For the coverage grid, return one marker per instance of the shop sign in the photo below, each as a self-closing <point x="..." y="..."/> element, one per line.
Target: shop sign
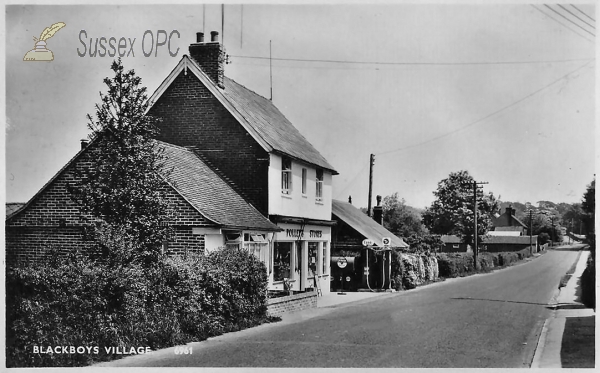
<point x="342" y="262"/>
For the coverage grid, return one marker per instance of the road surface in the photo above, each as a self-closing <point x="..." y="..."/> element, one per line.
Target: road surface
<point x="489" y="320"/>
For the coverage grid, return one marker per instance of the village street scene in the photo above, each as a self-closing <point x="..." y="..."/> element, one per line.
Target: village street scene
<point x="300" y="186"/>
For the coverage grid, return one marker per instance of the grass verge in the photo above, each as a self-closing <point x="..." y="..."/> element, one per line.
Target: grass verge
<point x="578" y="343"/>
<point x="567" y="276"/>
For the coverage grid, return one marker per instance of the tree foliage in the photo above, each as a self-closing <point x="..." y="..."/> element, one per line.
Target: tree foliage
<point x="401" y="219"/>
<point x="452" y="211"/>
<point x="122" y="185"/>
<point x="588" y="205"/>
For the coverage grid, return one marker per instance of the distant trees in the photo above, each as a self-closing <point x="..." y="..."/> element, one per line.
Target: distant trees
<point x="452" y="210"/>
<point x="401" y="219"/>
<point x="406" y="222"/>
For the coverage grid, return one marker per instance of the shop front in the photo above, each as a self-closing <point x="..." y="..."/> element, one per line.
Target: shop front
<point x="301" y="255"/>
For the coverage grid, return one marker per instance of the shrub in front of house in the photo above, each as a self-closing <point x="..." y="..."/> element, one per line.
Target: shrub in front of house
<point x="80" y="303"/>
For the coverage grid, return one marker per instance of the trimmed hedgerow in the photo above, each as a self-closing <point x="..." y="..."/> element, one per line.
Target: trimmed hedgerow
<point x="78" y="302"/>
<point x="462" y="264"/>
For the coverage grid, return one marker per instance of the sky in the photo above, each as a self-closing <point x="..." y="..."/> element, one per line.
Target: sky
<point x="504" y="91"/>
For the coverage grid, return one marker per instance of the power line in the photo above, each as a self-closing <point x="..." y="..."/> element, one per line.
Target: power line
<point x="409" y="63"/>
<point x="352" y="181"/>
<point x="569" y="20"/>
<point x="582" y="12"/>
<point x="487" y="116"/>
<point x="574" y="15"/>
<point x="562" y="24"/>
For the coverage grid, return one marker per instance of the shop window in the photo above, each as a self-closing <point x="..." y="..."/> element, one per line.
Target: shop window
<point x="282" y="260"/>
<point x="313" y="250"/>
<point x="325" y="259"/>
<point x="319" y="194"/>
<point x="286" y="175"/>
<point x="304" y="172"/>
<point x="298" y="265"/>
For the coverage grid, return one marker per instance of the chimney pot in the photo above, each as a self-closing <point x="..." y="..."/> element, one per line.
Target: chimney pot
<point x="378" y="198"/>
<point x="214" y="36"/>
<point x="199" y="37"/>
<point x="84" y="143"/>
<point x="350" y="199"/>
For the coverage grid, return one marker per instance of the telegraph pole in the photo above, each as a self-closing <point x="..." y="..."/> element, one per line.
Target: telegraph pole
<point x="475" y="187"/>
<point x="530" y="231"/>
<point x="371" y="163"/>
<point x="552" y="220"/>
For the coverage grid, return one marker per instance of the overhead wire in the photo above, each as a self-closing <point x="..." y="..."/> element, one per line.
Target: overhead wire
<point x="489" y="115"/>
<point x="410" y="63"/>
<point x="561" y="23"/>
<point x="574" y="15"/>
<point x="582" y="12"/>
<point x="351" y="182"/>
<point x="560" y="14"/>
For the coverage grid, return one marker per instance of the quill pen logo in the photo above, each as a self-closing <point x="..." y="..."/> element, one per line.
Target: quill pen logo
<point x="40" y="52"/>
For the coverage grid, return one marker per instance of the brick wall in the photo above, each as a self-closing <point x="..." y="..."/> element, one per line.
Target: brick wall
<point x="192" y="116"/>
<point x="290" y="303"/>
<point x="54" y="221"/>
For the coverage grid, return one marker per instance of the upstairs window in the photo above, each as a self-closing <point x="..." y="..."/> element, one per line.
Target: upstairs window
<point x="286" y="175"/>
<point x="304" y="181"/>
<point x="319" y="193"/>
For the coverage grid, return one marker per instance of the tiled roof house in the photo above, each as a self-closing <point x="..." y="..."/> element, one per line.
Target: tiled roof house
<point x="247" y="141"/>
<point x="242" y="175"/>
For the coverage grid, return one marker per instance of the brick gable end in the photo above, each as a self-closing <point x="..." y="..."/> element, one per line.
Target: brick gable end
<point x="193" y="117"/>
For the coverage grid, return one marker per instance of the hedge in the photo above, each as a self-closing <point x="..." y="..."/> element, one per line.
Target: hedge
<point x="78" y="302"/>
<point x="462" y="264"/>
<point x="588" y="284"/>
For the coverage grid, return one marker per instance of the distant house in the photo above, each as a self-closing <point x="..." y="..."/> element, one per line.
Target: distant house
<point x="490" y="243"/>
<point x="509" y="222"/>
<point x="495" y="244"/>
<point x="453" y="244"/>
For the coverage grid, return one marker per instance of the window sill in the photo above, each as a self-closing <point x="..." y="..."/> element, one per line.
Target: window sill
<point x="281" y="282"/>
<point x="317" y="202"/>
<point x="304" y="196"/>
<point x="287" y="196"/>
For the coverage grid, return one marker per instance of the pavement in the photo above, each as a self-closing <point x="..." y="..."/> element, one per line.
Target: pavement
<point x="567" y="304"/>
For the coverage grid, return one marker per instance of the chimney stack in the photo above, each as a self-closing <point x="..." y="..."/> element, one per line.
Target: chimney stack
<point x="378" y="211"/>
<point x="210" y="56"/>
<point x="84" y="143"/>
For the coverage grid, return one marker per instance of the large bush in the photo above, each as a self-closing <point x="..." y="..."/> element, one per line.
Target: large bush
<point x="588" y="284"/>
<point x="78" y="302"/>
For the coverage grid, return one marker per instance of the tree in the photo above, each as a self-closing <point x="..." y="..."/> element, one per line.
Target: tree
<point x="401" y="219"/>
<point x="588" y="205"/>
<point x="122" y="186"/>
<point x="452" y="211"/>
